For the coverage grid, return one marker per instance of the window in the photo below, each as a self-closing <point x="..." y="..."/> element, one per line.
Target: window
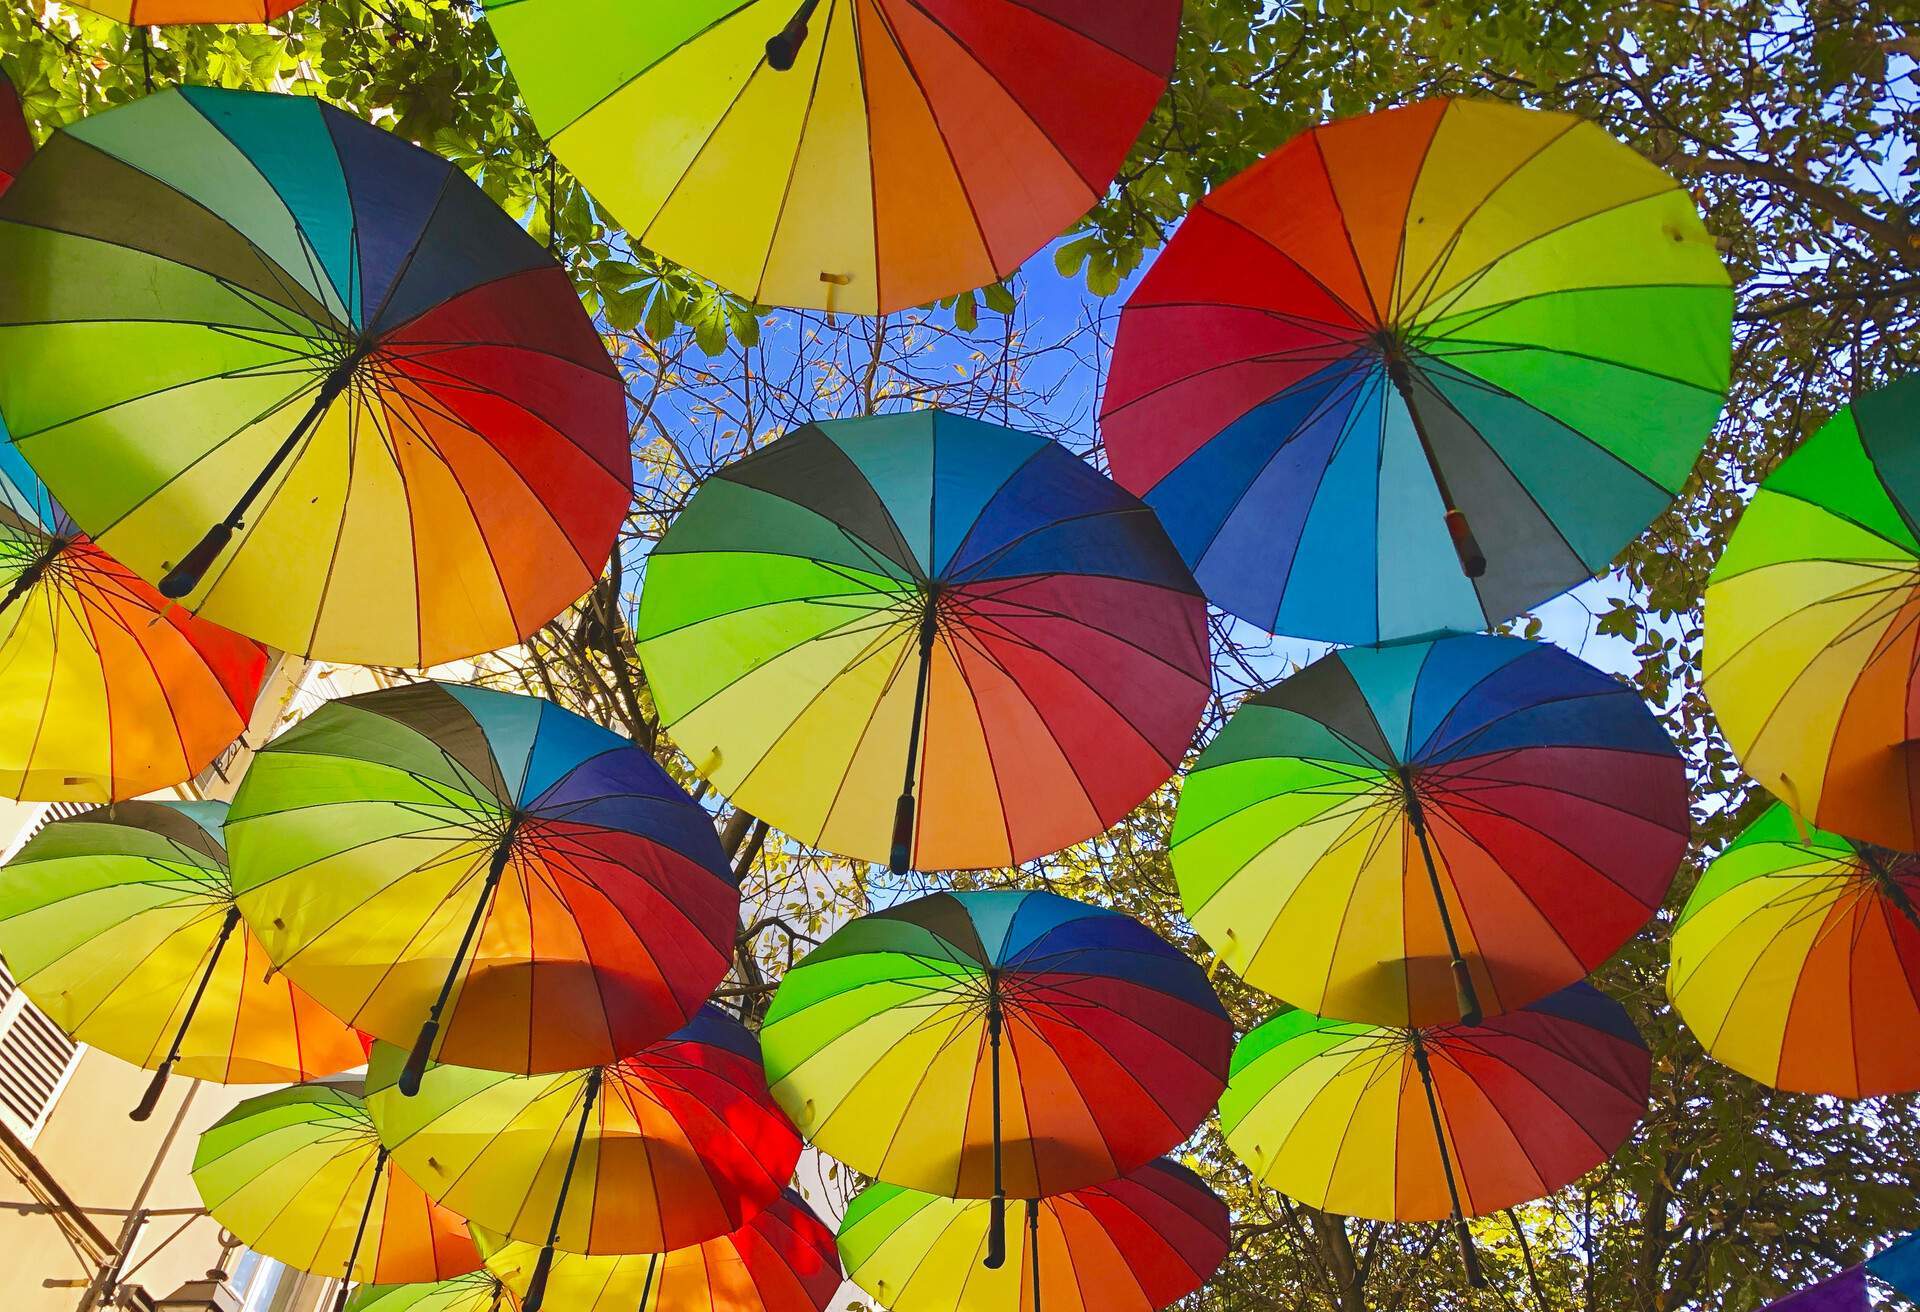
<point x="36" y="1059"/>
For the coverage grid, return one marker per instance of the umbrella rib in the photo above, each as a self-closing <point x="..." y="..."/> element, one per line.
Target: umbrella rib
<point x="939" y="130"/>
<point x="1439" y="303"/>
<point x="1354" y="313"/>
<point x="1428" y="285"/>
<point x="1354" y="357"/>
<point x="1358" y="385"/>
<point x="466" y="500"/>
<point x="973" y="607"/>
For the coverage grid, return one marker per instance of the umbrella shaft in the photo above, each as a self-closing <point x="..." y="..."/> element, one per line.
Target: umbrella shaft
<point x="537" y="1287"/>
<point x="1403" y="384"/>
<point x="1462" y="977"/>
<point x="646" y="1288"/>
<point x="423" y="1045"/>
<point x="1473" y="561"/>
<point x="366" y="1211"/>
<point x="996" y="1208"/>
<point x="330" y="388"/>
<point x="152" y="1097"/>
<point x="901" y="855"/>
<point x="1033" y="1247"/>
<point x="206" y="978"/>
<point x="1468" y="1256"/>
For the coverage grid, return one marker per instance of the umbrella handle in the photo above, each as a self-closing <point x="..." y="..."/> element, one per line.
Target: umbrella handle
<point x="155" y="1087"/>
<point x="416" y="1068"/>
<point x="783" y="47"/>
<point x="1473" y="561"/>
<point x="900" y="854"/>
<point x="1469" y="1255"/>
<point x="996" y="1233"/>
<point x="1465" y="995"/>
<point x="537" y="1287"/>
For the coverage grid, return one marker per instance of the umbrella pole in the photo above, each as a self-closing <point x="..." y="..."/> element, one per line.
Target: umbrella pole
<point x="416" y="1067"/>
<point x="1469" y="1257"/>
<point x="997" y="1209"/>
<point x="901" y="857"/>
<point x="35" y="570"/>
<point x="185" y="576"/>
<point x="1473" y="561"/>
<point x="1464" y="993"/>
<point x="151" y="1099"/>
<point x="353" y="1254"/>
<point x="1033" y="1247"/>
<point x="653" y="1262"/>
<point x="537" y="1287"/>
<point x="1888" y="884"/>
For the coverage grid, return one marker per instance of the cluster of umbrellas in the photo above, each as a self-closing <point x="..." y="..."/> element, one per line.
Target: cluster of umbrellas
<point x="1409" y="376"/>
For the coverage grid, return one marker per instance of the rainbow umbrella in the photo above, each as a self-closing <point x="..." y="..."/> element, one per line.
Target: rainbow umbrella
<point x="1436" y="1122"/>
<point x="853" y="155"/>
<point x="120" y="925"/>
<point x="299" y="1175"/>
<point x="171" y="13"/>
<point x="1797" y="961"/>
<point x="1418" y="371"/>
<point x="1136" y="1244"/>
<point x="487" y="877"/>
<point x="783" y="1260"/>
<point x="106" y="690"/>
<point x="353" y="410"/>
<point x="673" y="1146"/>
<point x="476" y="1291"/>
<point x="1813" y="625"/>
<point x="1025" y="651"/>
<point x="1419" y="834"/>
<point x="885" y="1044"/>
<point x="16" y="140"/>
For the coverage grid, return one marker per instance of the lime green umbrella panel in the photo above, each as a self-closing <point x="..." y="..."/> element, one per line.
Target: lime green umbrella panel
<point x="476" y="1291"/>
<point x="300" y="1175"/>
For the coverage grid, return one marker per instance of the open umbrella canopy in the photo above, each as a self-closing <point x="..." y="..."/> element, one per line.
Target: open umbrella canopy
<point x="676" y="1145"/>
<point x="305" y="376"/>
<point x="485" y="876"/>
<point x="1419" y="1125"/>
<point x="783" y="1260"/>
<point x="926" y="639"/>
<point x="1797" y="961"/>
<point x="300" y="1176"/>
<point x="886" y="1044"/>
<point x="854" y="155"/>
<point x="1420" y="370"/>
<point x="1813" y="624"/>
<point x="120" y="925"/>
<point x="169" y="13"/>
<point x="16" y="140"/>
<point x="476" y="1291"/>
<point x="1406" y="835"/>
<point x="1136" y="1244"/>
<point x="106" y="691"/>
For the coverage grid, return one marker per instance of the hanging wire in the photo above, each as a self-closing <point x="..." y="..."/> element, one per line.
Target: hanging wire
<point x="146" y="57"/>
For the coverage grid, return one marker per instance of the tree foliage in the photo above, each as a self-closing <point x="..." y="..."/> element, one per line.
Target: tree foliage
<point x="1796" y="123"/>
